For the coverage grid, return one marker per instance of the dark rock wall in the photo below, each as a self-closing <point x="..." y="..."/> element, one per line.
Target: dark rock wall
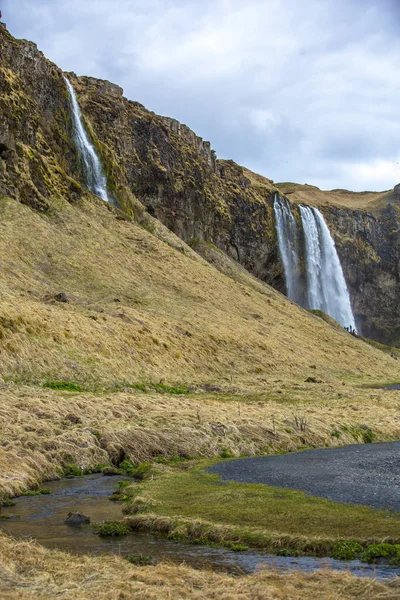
<point x="369" y="249"/>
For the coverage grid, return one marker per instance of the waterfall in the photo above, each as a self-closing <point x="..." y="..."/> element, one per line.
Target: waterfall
<point x="288" y="243"/>
<point x="333" y="298"/>
<point x="95" y="178"/>
<point x="326" y="287"/>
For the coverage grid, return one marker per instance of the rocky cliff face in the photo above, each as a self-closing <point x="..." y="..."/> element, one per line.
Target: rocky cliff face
<point x="158" y="163"/>
<point x="369" y="249"/>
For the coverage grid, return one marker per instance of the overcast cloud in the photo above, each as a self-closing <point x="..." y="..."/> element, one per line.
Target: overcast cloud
<point x="298" y="90"/>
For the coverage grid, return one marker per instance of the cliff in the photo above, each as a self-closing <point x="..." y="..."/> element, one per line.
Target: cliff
<point x="157" y="163"/>
<point x="366" y="228"/>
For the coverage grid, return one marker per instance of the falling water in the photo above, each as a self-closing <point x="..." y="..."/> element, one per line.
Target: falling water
<point x="286" y="228"/>
<point x="96" y="180"/>
<point x="325" y="283"/>
<point x="333" y="297"/>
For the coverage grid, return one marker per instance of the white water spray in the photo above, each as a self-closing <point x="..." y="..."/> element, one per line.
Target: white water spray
<point x="326" y="287"/>
<point x="286" y="229"/>
<point x="96" y="180"/>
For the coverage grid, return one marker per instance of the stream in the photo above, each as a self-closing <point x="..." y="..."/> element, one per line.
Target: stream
<point x="42" y="518"/>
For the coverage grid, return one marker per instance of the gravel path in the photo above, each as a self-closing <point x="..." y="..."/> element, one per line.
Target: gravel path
<point x="361" y="474"/>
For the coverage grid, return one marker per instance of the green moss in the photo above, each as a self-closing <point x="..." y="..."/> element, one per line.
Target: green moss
<point x="39" y="492"/>
<point x="112" y="529"/>
<point x="140" y="560"/>
<point x="347" y="550"/>
<point x="141" y="472"/>
<point x="260" y="515"/>
<point x="375" y="552"/>
<point x="71" y="471"/>
<point x="68" y="386"/>
<point x="163" y="388"/>
<point x="6" y="501"/>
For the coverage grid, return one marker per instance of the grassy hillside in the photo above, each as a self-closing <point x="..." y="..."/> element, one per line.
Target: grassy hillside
<point x="310" y="194"/>
<point x="145" y="313"/>
<point x="139" y="309"/>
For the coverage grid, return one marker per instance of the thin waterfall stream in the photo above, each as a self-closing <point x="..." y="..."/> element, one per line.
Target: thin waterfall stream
<point x="95" y="178"/>
<point x="326" y="287"/>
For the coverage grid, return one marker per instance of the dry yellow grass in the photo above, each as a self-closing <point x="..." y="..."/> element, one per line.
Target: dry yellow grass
<point x="140" y="309"/>
<point x="29" y="571"/>
<point x="42" y="429"/>
<point x="310" y="194"/>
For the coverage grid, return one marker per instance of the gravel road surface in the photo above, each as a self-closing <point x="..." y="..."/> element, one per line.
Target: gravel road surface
<point x="361" y="473"/>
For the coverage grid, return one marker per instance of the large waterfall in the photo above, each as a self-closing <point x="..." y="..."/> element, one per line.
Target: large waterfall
<point x="95" y="178"/>
<point x="326" y="287"/>
<point x="288" y="241"/>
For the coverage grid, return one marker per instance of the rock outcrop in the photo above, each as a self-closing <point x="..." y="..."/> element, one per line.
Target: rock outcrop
<point x="369" y="248"/>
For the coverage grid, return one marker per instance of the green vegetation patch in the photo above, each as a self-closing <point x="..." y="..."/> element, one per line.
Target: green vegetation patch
<point x="141" y="472"/>
<point x="374" y="552"/>
<point x="259" y="515"/>
<point x="39" y="492"/>
<point x="68" y="386"/>
<point x="112" y="528"/>
<point x="6" y="501"/>
<point x="347" y="550"/>
<point x="140" y="560"/>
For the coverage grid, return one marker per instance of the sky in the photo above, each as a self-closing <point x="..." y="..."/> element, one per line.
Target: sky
<point x="297" y="90"/>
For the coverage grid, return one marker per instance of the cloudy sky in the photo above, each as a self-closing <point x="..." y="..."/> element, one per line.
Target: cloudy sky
<point x="298" y="90"/>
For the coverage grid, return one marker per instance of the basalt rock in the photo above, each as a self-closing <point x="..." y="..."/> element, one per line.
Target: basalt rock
<point x="77" y="518"/>
<point x="369" y="249"/>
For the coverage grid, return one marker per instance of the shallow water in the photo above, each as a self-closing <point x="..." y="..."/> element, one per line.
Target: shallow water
<point x="394" y="386"/>
<point x="42" y="518"/>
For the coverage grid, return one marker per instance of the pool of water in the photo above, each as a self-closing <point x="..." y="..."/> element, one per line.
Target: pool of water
<point x="394" y="386"/>
<point x="42" y="518"/>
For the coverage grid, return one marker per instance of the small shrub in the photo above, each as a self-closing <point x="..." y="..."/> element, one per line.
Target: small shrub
<point x="225" y="453"/>
<point x="347" y="550"/>
<point x="202" y="541"/>
<point x="388" y="551"/>
<point x="123" y="484"/>
<point x="68" y="386"/>
<point x="336" y="433"/>
<point x="112" y="528"/>
<point x="6" y="501"/>
<point x="117" y="497"/>
<point x="141" y="472"/>
<point x="127" y="467"/>
<point x="367" y="435"/>
<point x="300" y="422"/>
<point x="141" y="560"/>
<point x="71" y="471"/>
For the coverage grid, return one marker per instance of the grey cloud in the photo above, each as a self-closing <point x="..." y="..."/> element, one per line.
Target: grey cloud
<point x="295" y="89"/>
